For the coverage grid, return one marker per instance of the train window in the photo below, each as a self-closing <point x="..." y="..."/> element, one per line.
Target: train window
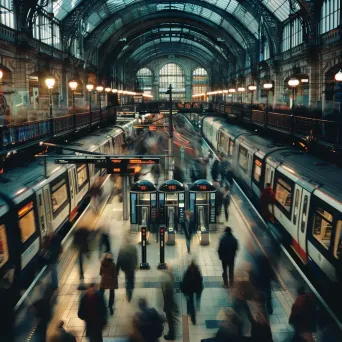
<point x="59" y="195"/>
<point x="296" y="207"/>
<point x="81" y="176"/>
<point x="283" y="194"/>
<point x="243" y="158"/>
<point x="3" y="245"/>
<point x="305" y="207"/>
<point x="322" y="227"/>
<point x="26" y="221"/>
<point x="257" y="170"/>
<point x="231" y="147"/>
<point x="338" y="241"/>
<point x="41" y="214"/>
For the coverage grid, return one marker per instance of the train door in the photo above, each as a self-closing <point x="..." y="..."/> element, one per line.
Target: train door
<point x="269" y="175"/>
<point x="44" y="230"/>
<point x="303" y="223"/>
<point x="72" y="189"/>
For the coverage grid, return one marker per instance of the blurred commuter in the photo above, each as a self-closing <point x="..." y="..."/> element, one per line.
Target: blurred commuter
<point x="44" y="307"/>
<point x="219" y="198"/>
<point x="223" y="168"/>
<point x="61" y="335"/>
<point x="109" y="279"/>
<point x="227" y="249"/>
<point x="215" y="170"/>
<point x="262" y="275"/>
<point x="51" y="253"/>
<point x="267" y="199"/>
<point x="226" y="202"/>
<point x="92" y="310"/>
<point x="95" y="194"/>
<point x="104" y="241"/>
<point x="303" y="316"/>
<point x="188" y="227"/>
<point x="128" y="262"/>
<point x="191" y="284"/>
<point x="81" y="242"/>
<point x="155" y="171"/>
<point x="261" y="330"/>
<point x="149" y="324"/>
<point x="170" y="306"/>
<point x="230" y="176"/>
<point x="231" y="329"/>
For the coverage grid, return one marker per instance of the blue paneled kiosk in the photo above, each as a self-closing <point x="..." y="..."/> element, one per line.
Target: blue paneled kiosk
<point x="143" y="205"/>
<point x="202" y="202"/>
<point x="171" y="207"/>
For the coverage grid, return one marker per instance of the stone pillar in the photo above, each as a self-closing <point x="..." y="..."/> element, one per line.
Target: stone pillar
<point x="315" y="85"/>
<point x="64" y="88"/>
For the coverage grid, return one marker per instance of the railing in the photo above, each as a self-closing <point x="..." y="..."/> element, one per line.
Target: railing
<point x="12" y="136"/>
<point x="314" y="129"/>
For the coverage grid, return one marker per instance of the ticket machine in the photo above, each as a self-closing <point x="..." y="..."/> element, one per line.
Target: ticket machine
<point x="143" y="205"/>
<point x="202" y="202"/>
<point x="171" y="207"/>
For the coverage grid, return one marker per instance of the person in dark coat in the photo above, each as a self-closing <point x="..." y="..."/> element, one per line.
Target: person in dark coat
<point x="104" y="240"/>
<point x="188" y="227"/>
<point x="53" y="251"/>
<point x="215" y="170"/>
<point x="81" y="242"/>
<point x="170" y="306"/>
<point x="92" y="310"/>
<point x="303" y="316"/>
<point x="267" y="199"/>
<point x="226" y="202"/>
<point x="228" y="247"/>
<point x="191" y="284"/>
<point x="109" y="279"/>
<point x="61" y="335"/>
<point x="128" y="262"/>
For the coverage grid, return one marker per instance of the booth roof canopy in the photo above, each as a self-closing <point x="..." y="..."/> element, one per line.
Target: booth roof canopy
<point x="202" y="185"/>
<point x="143" y="186"/>
<point x="171" y="185"/>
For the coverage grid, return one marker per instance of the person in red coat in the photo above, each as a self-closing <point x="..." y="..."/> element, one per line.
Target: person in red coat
<point x="266" y="201"/>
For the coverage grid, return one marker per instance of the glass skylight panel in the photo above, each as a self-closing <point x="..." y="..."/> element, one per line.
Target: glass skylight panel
<point x="280" y="8"/>
<point x="233" y="32"/>
<point x="61" y="8"/>
<point x="247" y="19"/>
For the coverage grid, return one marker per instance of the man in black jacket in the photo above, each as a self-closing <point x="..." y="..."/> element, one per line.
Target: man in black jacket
<point x="188" y="228"/>
<point x="227" y="251"/>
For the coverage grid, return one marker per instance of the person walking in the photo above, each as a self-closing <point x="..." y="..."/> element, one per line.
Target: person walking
<point x="155" y="171"/>
<point x="226" y="202"/>
<point x="170" y="306"/>
<point x="191" y="284"/>
<point x="92" y="310"/>
<point x="128" y="262"/>
<point x="228" y="247"/>
<point x="267" y="199"/>
<point x="188" y="227"/>
<point x="104" y="240"/>
<point x="61" y="335"/>
<point x="303" y="316"/>
<point x="148" y="323"/>
<point x="109" y="279"/>
<point x="81" y="242"/>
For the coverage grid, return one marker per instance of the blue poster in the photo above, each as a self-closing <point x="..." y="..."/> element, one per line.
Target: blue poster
<point x="192" y="202"/>
<point x="133" y="208"/>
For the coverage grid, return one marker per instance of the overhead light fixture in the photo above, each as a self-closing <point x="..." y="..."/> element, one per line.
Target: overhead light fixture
<point x="304" y="80"/>
<point x="268" y="85"/>
<point x="293" y="82"/>
<point x="252" y="87"/>
<point x="231" y="90"/>
<point x="90" y="87"/>
<point x="50" y="81"/>
<point x="338" y="76"/>
<point x="241" y="89"/>
<point x="73" y="85"/>
<point x="99" y="88"/>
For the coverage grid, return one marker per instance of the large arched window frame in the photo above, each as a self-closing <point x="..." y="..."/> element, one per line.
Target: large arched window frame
<point x="7" y="14"/>
<point x="330" y="15"/>
<point x="200" y="81"/>
<point x="46" y="29"/>
<point x="144" y="80"/>
<point x="173" y="74"/>
<point x="292" y="36"/>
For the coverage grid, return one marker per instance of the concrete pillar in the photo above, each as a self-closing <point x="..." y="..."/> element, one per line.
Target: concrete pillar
<point x="315" y="85"/>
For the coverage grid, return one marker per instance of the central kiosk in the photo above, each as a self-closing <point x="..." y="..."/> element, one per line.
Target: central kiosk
<point x="202" y="205"/>
<point x="171" y="207"/>
<point x="143" y="205"/>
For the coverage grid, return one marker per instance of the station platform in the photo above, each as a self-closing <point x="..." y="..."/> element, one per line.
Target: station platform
<point x="216" y="300"/>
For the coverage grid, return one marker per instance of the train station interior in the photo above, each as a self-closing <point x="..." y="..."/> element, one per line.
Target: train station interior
<point x="170" y="170"/>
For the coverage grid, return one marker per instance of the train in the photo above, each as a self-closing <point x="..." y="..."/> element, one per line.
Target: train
<point x="308" y="191"/>
<point x="49" y="202"/>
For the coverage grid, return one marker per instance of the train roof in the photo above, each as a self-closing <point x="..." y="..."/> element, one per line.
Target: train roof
<point x="327" y="177"/>
<point x="231" y="129"/>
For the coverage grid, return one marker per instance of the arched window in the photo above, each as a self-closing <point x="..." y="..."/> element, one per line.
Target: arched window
<point x="7" y="14"/>
<point x="200" y="81"/>
<point x="173" y="74"/>
<point x="330" y="15"/>
<point x="144" y="80"/>
<point x="292" y="36"/>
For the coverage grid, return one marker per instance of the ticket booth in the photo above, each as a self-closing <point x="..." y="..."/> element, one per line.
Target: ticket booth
<point x="143" y="205"/>
<point x="171" y="207"/>
<point x="202" y="202"/>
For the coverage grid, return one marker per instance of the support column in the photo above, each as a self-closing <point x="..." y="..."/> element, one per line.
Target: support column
<point x="315" y="86"/>
<point x="125" y="197"/>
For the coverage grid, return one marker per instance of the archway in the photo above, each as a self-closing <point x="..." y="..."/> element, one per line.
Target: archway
<point x="172" y="73"/>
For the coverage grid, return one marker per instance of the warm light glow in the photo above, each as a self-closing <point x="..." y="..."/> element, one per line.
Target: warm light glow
<point x="73" y="85"/>
<point x="241" y="89"/>
<point x="219" y="92"/>
<point x="225" y="91"/>
<point x="293" y="82"/>
<point x="90" y="87"/>
<point x="338" y="76"/>
<point x="50" y="82"/>
<point x="114" y="90"/>
<point x="232" y="90"/>
<point x="268" y="85"/>
<point x="99" y="88"/>
<point x="252" y="87"/>
<point x="198" y="95"/>
<point x="107" y="90"/>
<point x="147" y="95"/>
<point x="304" y="80"/>
<point x="1" y="74"/>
